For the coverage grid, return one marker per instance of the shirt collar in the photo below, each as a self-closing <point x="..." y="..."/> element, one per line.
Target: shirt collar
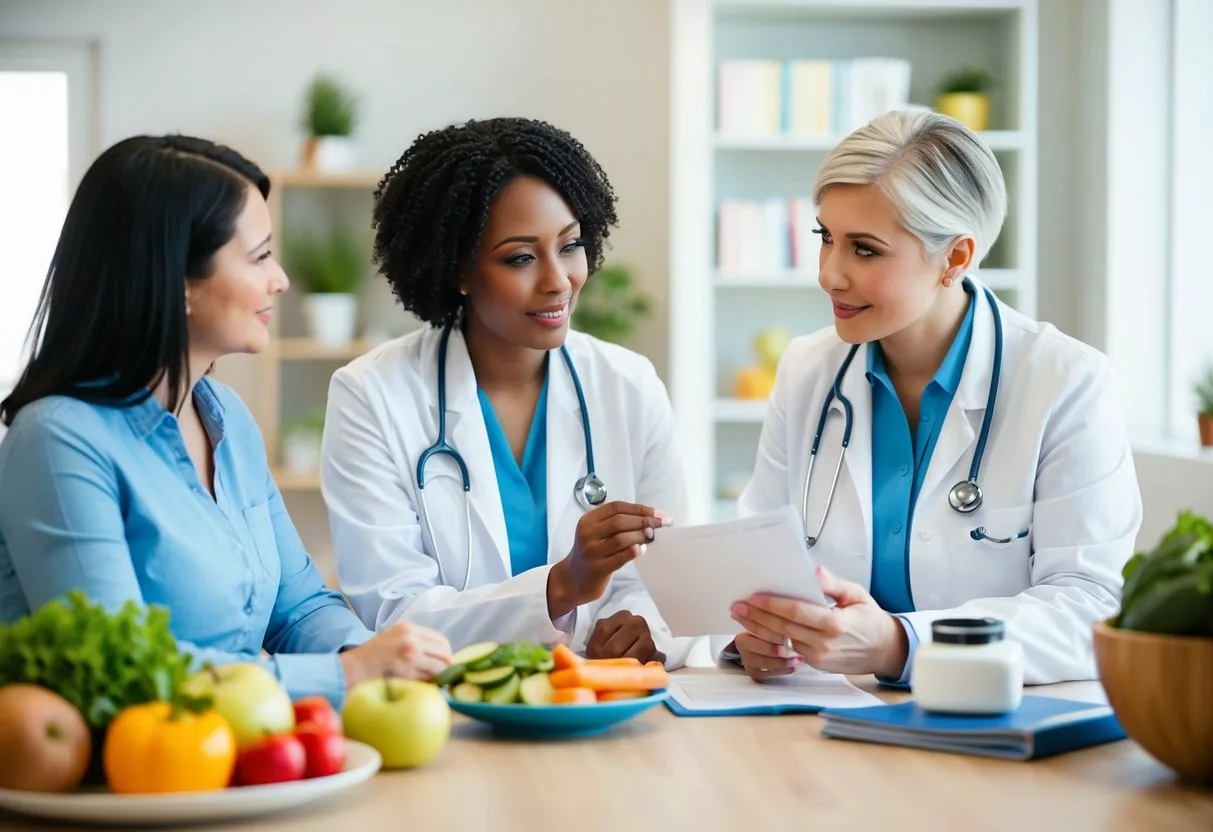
<point x="947" y="377"/>
<point x="144" y="412"/>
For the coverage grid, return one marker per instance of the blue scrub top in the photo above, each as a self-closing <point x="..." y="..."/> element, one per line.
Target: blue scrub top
<point x="524" y="490"/>
<point x="899" y="464"/>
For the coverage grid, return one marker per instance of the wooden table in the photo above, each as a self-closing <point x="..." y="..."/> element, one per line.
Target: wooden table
<point x="750" y="773"/>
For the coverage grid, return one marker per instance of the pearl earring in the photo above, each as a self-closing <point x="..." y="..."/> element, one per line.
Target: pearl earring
<point x="947" y="280"/>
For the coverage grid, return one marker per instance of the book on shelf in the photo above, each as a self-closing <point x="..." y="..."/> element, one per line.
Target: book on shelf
<point x="773" y="234"/>
<point x="762" y="98"/>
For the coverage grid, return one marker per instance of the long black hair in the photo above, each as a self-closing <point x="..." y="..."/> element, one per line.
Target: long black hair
<point x="111" y="322"/>
<point x="432" y="206"/>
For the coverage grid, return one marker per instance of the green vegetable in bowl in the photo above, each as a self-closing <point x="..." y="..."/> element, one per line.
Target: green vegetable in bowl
<point x="99" y="661"/>
<point x="497" y="673"/>
<point x="1169" y="590"/>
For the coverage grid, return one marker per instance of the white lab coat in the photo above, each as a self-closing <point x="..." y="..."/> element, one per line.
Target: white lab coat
<point x="1057" y="462"/>
<point x="383" y="411"/>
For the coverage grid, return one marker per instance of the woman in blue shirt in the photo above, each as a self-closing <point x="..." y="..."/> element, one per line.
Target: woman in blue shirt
<point x="128" y="473"/>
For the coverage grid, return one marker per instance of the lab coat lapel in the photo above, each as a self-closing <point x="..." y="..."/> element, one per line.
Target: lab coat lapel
<point x="566" y="456"/>
<point x="957" y="437"/>
<point x="466" y="427"/>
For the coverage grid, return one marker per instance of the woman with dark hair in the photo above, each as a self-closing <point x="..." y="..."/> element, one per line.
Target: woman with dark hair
<point x="557" y="459"/>
<point x="127" y="472"/>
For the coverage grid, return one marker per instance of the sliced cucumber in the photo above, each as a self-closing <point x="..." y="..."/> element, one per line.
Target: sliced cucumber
<point x="483" y="664"/>
<point x="467" y="692"/>
<point x="451" y="676"/>
<point x="537" y="690"/>
<point x="545" y="666"/>
<point x="491" y="678"/>
<point x="504" y="694"/>
<point x="474" y="653"/>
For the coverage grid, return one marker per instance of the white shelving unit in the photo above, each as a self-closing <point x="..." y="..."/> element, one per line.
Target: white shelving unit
<point x="715" y="315"/>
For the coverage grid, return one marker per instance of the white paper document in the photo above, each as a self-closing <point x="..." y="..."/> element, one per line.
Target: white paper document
<point x="695" y="573"/>
<point x="805" y="691"/>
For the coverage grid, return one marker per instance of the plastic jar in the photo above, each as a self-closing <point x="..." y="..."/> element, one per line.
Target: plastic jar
<point x="968" y="668"/>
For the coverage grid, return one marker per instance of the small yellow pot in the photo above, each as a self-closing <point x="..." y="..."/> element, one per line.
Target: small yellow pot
<point x="972" y="109"/>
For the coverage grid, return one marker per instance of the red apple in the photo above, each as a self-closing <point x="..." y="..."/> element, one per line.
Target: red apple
<point x="318" y="710"/>
<point x="325" y="750"/>
<point x="276" y="759"/>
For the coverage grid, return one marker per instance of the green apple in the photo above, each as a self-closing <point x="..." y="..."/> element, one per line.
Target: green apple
<point x="771" y="344"/>
<point x="248" y="696"/>
<point x="408" y="722"/>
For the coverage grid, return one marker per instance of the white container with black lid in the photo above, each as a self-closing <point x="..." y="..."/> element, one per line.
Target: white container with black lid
<point x="968" y="668"/>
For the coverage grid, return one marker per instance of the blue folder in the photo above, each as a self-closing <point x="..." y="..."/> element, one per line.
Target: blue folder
<point x="1041" y="727"/>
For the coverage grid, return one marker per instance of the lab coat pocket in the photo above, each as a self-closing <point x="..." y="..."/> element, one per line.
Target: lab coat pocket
<point x="1001" y="529"/>
<point x="261" y="528"/>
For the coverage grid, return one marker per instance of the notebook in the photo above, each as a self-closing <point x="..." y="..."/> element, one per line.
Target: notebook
<point x="806" y="691"/>
<point x="1041" y="727"/>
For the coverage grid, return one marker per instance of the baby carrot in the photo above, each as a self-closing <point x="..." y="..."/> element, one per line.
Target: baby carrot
<point x="617" y="695"/>
<point x="563" y="658"/>
<point x="607" y="677"/>
<point x="573" y="696"/>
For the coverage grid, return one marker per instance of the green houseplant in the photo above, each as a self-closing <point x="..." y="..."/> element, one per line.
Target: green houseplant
<point x="608" y="307"/>
<point x="1204" y="405"/>
<point x="301" y="442"/>
<point x="963" y="95"/>
<point x="329" y="271"/>
<point x="330" y="114"/>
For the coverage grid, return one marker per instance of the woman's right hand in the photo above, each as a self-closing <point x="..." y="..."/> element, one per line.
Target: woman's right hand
<point x="403" y="650"/>
<point x="607" y="538"/>
<point x="763" y="659"/>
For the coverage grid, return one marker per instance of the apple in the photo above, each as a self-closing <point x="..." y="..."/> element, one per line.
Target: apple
<point x="45" y="744"/>
<point x="325" y="749"/>
<point x="771" y="344"/>
<point x="318" y="710"/>
<point x="277" y="759"/>
<point x="408" y="722"/>
<point x="249" y="698"/>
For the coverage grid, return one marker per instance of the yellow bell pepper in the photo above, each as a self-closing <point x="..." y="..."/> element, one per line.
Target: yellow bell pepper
<point x="154" y="748"/>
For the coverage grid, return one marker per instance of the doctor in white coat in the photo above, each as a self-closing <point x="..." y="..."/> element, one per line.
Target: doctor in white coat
<point x="908" y="205"/>
<point x="488" y="231"/>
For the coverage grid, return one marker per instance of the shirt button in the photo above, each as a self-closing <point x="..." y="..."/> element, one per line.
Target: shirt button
<point x="926" y="417"/>
<point x="905" y="469"/>
<point x="896" y="528"/>
<point x="925" y="535"/>
<point x="248" y="607"/>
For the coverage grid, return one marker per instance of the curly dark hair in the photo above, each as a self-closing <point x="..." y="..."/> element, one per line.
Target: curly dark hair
<point x="432" y="206"/>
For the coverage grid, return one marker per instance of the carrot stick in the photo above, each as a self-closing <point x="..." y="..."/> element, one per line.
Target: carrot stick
<point x="607" y="677"/>
<point x="617" y="695"/>
<point x="563" y="658"/>
<point x="621" y="662"/>
<point x="573" y="696"/>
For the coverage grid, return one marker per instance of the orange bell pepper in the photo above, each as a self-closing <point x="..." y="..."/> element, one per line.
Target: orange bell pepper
<point x="155" y="748"/>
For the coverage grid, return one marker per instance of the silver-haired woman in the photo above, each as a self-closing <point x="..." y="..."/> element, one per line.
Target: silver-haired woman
<point x="988" y="471"/>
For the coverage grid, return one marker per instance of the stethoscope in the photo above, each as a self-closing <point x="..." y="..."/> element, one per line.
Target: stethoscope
<point x="966" y="496"/>
<point x="590" y="491"/>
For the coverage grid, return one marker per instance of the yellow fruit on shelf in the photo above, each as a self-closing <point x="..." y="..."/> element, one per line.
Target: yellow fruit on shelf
<point x="754" y="382"/>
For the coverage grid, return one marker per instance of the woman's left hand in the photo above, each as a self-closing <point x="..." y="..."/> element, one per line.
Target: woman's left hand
<point x="855" y="637"/>
<point x="623" y="635"/>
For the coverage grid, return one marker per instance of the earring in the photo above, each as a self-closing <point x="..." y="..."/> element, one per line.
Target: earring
<point x="947" y="280"/>
<point x="187" y="309"/>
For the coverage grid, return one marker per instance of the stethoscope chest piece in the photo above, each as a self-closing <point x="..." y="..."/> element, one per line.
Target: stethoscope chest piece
<point x="966" y="497"/>
<point x="590" y="492"/>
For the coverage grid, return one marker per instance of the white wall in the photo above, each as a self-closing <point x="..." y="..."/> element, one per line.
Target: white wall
<point x="234" y="71"/>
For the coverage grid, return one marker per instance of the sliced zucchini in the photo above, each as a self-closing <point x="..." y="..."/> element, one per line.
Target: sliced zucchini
<point x="504" y="694"/>
<point x="483" y="664"/>
<point x="491" y="678"/>
<point x="451" y="676"/>
<point x="537" y="690"/>
<point x="545" y="666"/>
<point x="467" y="692"/>
<point x="474" y="653"/>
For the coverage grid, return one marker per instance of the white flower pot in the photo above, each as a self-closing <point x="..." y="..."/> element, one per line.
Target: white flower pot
<point x="301" y="453"/>
<point x="335" y="154"/>
<point x="331" y="317"/>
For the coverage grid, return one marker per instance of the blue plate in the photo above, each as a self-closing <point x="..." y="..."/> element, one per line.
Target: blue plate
<point x="552" y="721"/>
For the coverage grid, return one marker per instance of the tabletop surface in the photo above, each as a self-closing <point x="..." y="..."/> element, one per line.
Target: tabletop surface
<point x="663" y="772"/>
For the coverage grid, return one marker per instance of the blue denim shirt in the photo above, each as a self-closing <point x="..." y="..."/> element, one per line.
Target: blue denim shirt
<point x="107" y="500"/>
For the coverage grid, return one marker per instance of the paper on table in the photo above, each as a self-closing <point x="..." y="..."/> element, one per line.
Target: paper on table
<point x="695" y="573"/>
<point x="805" y="690"/>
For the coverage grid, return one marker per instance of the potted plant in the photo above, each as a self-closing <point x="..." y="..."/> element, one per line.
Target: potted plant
<point x="1155" y="656"/>
<point x="608" y="308"/>
<point x="329" y="272"/>
<point x="963" y="96"/>
<point x="301" y="442"/>
<point x="1204" y="406"/>
<point x="330" y="112"/>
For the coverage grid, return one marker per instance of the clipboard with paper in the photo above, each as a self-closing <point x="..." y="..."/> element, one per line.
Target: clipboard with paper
<point x="695" y="573"/>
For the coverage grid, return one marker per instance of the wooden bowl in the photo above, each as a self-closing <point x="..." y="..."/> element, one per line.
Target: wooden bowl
<point x="1161" y="688"/>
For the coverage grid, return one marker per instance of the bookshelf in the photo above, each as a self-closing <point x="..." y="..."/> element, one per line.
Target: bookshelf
<point x="716" y="313"/>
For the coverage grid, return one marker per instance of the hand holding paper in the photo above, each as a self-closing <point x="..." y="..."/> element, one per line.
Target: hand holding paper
<point x="695" y="574"/>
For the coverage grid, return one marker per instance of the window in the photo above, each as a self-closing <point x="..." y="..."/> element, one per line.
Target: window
<point x="45" y="94"/>
<point x="1190" y="345"/>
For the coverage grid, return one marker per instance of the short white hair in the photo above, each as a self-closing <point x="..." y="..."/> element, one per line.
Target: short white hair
<point x="943" y="180"/>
